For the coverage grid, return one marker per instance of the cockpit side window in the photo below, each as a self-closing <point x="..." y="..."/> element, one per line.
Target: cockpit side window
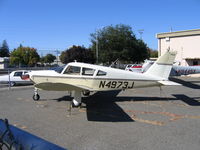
<point x="88" y="71"/>
<point x="73" y="70"/>
<point x="101" y="73"/>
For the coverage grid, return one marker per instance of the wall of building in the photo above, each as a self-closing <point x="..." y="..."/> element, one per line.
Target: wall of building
<point x="4" y="61"/>
<point x="187" y="47"/>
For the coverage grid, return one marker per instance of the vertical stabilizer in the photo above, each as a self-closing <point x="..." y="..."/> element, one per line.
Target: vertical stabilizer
<point x="162" y="67"/>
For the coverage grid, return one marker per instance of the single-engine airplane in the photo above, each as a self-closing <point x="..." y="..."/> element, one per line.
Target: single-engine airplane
<point x="82" y="78"/>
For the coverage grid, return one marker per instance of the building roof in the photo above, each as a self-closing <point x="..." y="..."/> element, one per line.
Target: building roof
<point x="178" y="33"/>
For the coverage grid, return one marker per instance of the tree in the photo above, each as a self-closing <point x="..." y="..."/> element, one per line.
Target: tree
<point x="153" y="53"/>
<point x="78" y="53"/>
<point x="4" y="49"/>
<point x="24" y="56"/>
<point x="118" y="42"/>
<point x="49" y="58"/>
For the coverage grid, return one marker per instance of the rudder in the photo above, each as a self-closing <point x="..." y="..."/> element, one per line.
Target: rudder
<point x="162" y="67"/>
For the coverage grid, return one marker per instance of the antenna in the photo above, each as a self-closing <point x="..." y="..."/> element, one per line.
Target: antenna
<point x="141" y="31"/>
<point x="171" y="29"/>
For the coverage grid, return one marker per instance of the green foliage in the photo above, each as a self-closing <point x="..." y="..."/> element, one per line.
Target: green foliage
<point x="4" y="50"/>
<point x="49" y="58"/>
<point x="24" y="56"/>
<point x="153" y="53"/>
<point x="118" y="42"/>
<point x="78" y="53"/>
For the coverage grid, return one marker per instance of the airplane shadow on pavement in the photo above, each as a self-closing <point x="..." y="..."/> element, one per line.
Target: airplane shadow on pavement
<point x="65" y="98"/>
<point x="188" y="84"/>
<point x="102" y="106"/>
<point x="188" y="100"/>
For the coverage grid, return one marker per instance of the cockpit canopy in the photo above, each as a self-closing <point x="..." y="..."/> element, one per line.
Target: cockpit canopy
<point x="84" y="71"/>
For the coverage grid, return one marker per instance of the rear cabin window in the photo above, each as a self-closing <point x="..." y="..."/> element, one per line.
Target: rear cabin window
<point x="88" y="71"/>
<point x="18" y="74"/>
<point x="73" y="70"/>
<point x="101" y="73"/>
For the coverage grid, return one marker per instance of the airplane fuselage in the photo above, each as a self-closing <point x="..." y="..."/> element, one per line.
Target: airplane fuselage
<point x="98" y="78"/>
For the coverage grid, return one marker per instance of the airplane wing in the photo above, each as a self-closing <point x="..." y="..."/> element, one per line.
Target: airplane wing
<point x="167" y="82"/>
<point x="61" y="87"/>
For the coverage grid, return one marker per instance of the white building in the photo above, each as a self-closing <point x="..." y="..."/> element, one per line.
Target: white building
<point x="186" y="43"/>
<point x="4" y="62"/>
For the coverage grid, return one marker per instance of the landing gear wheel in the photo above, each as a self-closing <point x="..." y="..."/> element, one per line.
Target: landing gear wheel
<point x="36" y="97"/>
<point x="74" y="103"/>
<point x="12" y="83"/>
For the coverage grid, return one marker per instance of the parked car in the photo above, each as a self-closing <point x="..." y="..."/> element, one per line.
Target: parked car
<point x="134" y="67"/>
<point x="14" y="78"/>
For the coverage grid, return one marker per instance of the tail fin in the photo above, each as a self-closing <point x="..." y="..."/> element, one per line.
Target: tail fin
<point x="162" y="67"/>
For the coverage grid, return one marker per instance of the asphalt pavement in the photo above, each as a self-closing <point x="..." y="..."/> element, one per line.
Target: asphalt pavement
<point x="139" y="119"/>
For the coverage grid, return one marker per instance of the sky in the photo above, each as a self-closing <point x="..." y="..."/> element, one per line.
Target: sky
<point x="58" y="24"/>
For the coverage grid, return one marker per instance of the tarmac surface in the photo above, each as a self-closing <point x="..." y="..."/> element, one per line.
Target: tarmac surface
<point x="139" y="119"/>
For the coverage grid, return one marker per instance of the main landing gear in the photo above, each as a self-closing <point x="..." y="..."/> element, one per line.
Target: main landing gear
<point x="76" y="102"/>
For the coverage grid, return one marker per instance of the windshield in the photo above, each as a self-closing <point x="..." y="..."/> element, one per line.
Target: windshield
<point x="58" y="69"/>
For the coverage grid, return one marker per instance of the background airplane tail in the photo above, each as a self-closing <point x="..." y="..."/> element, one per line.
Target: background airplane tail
<point x="162" y="67"/>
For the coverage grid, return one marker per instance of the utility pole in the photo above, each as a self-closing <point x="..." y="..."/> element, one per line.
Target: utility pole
<point x="97" y="49"/>
<point x="171" y="29"/>
<point x="57" y="52"/>
<point x="141" y="31"/>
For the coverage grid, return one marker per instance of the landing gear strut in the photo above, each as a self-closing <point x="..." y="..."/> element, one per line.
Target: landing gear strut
<point x="76" y="102"/>
<point x="86" y="93"/>
<point x="36" y="96"/>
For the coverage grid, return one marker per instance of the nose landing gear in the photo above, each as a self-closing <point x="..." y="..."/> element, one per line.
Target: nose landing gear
<point x="36" y="96"/>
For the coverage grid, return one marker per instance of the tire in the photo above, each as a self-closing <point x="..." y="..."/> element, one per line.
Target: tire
<point x="75" y="105"/>
<point x="36" y="97"/>
<point x="12" y="83"/>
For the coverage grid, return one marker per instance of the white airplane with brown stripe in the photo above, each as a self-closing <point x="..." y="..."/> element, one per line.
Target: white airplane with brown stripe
<point x="82" y="78"/>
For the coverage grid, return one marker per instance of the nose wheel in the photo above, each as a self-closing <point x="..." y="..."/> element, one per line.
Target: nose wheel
<point x="36" y="96"/>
